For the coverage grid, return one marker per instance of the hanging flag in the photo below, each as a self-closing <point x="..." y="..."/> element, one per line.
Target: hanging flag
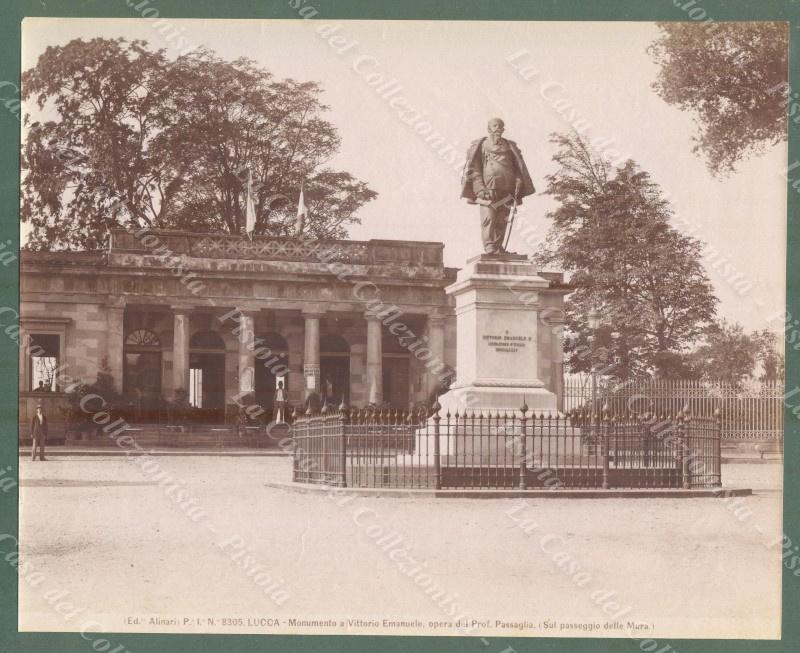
<point x="302" y="213"/>
<point x="250" y="210"/>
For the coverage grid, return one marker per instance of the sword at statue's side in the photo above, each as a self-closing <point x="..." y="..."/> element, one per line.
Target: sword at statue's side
<point x="510" y="225"/>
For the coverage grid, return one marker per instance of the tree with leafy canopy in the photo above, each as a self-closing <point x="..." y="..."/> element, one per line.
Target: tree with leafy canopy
<point x="611" y="232"/>
<point x="733" y="77"/>
<point x="769" y="355"/>
<point x="727" y="354"/>
<point x="124" y="137"/>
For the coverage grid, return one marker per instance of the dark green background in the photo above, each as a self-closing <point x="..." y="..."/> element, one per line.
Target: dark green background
<point x="641" y="10"/>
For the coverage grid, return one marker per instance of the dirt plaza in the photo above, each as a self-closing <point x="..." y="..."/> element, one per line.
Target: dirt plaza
<point x="216" y="550"/>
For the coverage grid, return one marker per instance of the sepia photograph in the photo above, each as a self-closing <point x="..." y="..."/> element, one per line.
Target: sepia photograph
<point x="402" y="327"/>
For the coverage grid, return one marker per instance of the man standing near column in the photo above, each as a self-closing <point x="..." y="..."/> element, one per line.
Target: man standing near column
<point x="280" y="403"/>
<point x="38" y="433"/>
<point x="496" y="178"/>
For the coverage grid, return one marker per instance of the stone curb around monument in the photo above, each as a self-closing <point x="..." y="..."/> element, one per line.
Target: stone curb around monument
<point x="634" y="493"/>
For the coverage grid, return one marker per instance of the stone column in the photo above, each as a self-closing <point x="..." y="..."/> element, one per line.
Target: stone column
<point x="180" y="351"/>
<point x="374" y="360"/>
<point x="557" y="335"/>
<point x="435" y="365"/>
<point x="115" y="340"/>
<point x="311" y="352"/>
<point x="246" y="337"/>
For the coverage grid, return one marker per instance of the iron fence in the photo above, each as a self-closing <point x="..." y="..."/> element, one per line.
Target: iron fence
<point x="749" y="411"/>
<point x="514" y="449"/>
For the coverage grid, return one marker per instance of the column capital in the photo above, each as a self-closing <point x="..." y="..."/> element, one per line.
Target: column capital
<point x="247" y="309"/>
<point x="313" y="313"/>
<point x="371" y="317"/>
<point x="116" y="302"/>
<point x="436" y="319"/>
<point x="181" y="310"/>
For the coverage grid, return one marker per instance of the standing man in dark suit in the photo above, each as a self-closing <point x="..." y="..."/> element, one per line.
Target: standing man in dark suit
<point x="38" y="433"/>
<point x="495" y="177"/>
<point x="280" y="403"/>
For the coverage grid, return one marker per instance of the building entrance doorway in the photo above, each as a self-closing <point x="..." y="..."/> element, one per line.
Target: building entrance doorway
<point x="334" y="370"/>
<point x="396" y="380"/>
<point x="207" y="384"/>
<point x="207" y="375"/>
<point x="335" y="379"/>
<point x="271" y="367"/>
<point x="141" y="377"/>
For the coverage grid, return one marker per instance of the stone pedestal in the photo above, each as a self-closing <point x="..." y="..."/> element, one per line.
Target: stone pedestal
<point x="498" y="301"/>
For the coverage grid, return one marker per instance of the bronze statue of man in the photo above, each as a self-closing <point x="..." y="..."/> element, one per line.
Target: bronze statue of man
<point x="496" y="178"/>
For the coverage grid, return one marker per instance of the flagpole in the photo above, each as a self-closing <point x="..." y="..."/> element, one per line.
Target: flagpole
<point x="302" y="212"/>
<point x="250" y="210"/>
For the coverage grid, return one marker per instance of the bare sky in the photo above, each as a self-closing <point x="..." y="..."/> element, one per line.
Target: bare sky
<point x="460" y="74"/>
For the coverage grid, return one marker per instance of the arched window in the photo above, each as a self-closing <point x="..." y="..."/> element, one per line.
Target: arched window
<point x="206" y="340"/>
<point x="142" y="338"/>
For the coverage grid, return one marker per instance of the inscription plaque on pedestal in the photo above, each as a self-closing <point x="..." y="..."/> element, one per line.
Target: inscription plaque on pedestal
<point x="498" y="301"/>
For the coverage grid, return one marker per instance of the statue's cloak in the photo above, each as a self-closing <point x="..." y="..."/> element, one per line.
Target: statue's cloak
<point x="473" y="166"/>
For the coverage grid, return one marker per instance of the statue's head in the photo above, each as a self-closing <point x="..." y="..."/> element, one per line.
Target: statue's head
<point x="496" y="127"/>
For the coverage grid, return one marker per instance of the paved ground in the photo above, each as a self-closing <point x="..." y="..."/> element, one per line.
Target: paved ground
<point x="126" y="549"/>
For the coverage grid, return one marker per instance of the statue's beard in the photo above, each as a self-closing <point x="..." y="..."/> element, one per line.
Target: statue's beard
<point x="495" y="138"/>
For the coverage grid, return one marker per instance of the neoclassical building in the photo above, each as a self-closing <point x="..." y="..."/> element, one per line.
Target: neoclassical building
<point x="225" y="317"/>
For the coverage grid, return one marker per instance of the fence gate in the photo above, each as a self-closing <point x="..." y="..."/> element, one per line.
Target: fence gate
<point x="320" y="440"/>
